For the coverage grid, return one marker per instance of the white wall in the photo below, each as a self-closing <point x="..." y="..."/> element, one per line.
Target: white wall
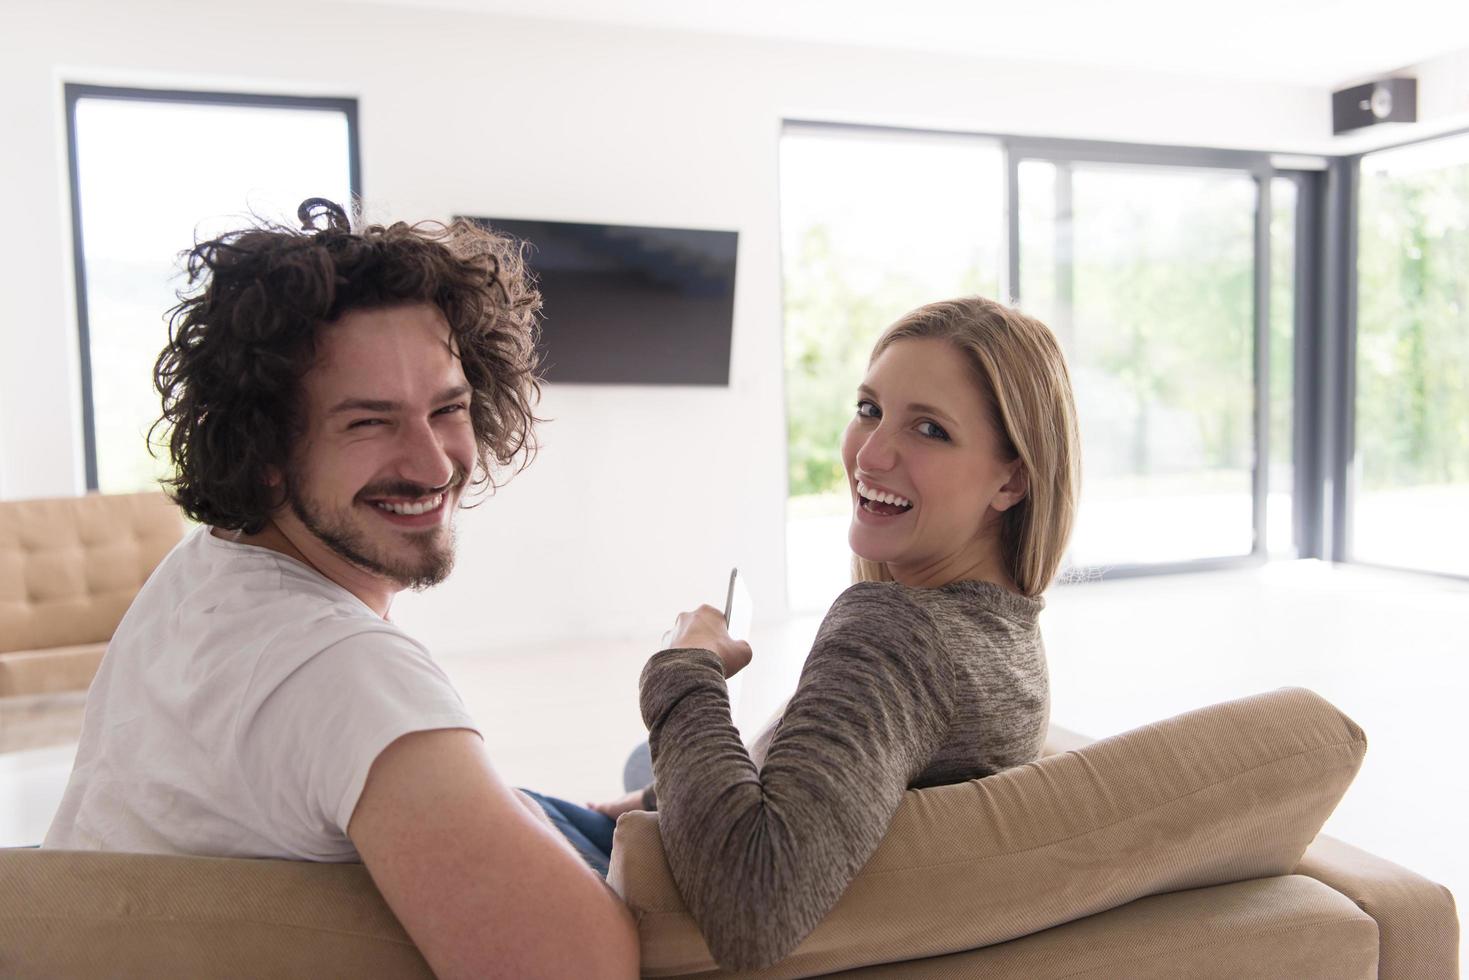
<point x="642" y="498"/>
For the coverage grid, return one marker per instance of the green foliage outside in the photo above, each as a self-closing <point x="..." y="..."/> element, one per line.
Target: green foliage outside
<point x="832" y="320"/>
<point x="1169" y="326"/>
<point x="1172" y="327"/>
<point x="1413" y="329"/>
<point x="1282" y="324"/>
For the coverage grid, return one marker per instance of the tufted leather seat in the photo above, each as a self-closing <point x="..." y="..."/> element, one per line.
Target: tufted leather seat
<point x="69" y="569"/>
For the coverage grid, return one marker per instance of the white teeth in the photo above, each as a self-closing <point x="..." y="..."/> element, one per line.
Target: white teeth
<point x="892" y="499"/>
<point x="412" y="510"/>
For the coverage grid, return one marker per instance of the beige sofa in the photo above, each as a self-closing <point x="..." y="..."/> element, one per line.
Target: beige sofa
<point x="1187" y="848"/>
<point x="69" y="569"/>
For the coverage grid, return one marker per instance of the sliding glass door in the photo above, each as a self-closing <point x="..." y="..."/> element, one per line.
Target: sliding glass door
<point x="1168" y="274"/>
<point x="1148" y="275"/>
<point x="1411" y="463"/>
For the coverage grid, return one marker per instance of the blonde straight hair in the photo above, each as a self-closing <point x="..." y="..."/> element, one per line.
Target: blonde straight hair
<point x="1022" y="374"/>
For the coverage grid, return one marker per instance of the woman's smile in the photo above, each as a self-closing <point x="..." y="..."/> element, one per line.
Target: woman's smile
<point x="880" y="503"/>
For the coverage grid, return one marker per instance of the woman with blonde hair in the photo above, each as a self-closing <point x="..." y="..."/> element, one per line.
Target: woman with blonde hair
<point x="962" y="463"/>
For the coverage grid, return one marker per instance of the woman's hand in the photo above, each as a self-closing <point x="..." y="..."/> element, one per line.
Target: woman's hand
<point x="704" y="629"/>
<point x="621" y="805"/>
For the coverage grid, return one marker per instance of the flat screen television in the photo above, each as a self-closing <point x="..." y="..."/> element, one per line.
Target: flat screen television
<point x="631" y="305"/>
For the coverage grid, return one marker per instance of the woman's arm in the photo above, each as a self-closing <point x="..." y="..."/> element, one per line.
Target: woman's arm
<point x="647" y="797"/>
<point x="761" y="856"/>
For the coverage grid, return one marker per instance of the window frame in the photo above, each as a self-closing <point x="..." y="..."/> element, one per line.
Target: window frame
<point x="1336" y="491"/>
<point x="1259" y="166"/>
<point x="75" y="92"/>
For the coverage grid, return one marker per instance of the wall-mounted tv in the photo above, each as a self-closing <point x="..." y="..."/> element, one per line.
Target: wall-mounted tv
<point x="631" y="305"/>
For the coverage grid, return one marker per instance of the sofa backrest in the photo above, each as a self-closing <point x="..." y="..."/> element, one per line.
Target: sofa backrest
<point x="70" y="567"/>
<point x="1225" y="793"/>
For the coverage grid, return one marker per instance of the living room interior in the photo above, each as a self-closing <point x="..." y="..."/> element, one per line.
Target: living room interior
<point x="1268" y="323"/>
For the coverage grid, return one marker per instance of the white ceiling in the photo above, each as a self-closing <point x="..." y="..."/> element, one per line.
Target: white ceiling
<point x="1325" y="43"/>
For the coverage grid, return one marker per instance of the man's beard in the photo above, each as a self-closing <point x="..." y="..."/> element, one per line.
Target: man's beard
<point x="340" y="533"/>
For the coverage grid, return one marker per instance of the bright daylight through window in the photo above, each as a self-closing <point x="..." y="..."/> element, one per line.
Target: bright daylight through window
<point x="153" y="176"/>
<point x="1280" y="482"/>
<point x="871" y="226"/>
<point x="1412" y="397"/>
<point x="1147" y="276"/>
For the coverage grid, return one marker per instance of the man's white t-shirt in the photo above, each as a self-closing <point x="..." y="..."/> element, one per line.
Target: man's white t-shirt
<point x="237" y="711"/>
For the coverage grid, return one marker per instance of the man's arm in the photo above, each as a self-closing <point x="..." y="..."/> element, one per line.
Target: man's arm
<point x="483" y="887"/>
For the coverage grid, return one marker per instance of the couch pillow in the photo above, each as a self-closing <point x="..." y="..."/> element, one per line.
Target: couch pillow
<point x="1221" y="794"/>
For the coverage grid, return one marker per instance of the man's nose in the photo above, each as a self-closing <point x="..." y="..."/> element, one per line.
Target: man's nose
<point x="423" y="458"/>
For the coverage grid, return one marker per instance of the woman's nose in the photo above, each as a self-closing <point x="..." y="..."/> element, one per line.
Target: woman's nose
<point x="878" y="452"/>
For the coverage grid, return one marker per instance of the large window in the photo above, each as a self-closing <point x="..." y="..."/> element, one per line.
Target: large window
<point x="1412" y="365"/>
<point x="1167" y="273"/>
<point x="151" y="173"/>
<point x="1147" y="275"/>
<point x="871" y="226"/>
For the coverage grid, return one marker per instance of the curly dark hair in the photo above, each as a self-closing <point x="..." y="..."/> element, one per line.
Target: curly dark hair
<point x="244" y="334"/>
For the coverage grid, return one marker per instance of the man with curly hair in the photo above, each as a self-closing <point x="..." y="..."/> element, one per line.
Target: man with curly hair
<point x="330" y="395"/>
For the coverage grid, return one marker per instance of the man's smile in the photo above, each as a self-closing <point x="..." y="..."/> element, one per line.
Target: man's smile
<point x="409" y="507"/>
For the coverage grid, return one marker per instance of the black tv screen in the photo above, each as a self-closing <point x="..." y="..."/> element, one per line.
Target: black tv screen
<point x="631" y="305"/>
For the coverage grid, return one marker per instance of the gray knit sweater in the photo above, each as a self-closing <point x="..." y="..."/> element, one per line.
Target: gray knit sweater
<point x="903" y="688"/>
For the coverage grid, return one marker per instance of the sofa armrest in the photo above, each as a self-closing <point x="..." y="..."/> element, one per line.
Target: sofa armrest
<point x="1416" y="918"/>
<point x="1416" y="921"/>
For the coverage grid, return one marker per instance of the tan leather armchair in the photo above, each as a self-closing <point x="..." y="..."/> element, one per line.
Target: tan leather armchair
<point x="69" y="569"/>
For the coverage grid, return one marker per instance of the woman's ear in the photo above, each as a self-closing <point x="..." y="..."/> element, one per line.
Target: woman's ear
<point x="1014" y="489"/>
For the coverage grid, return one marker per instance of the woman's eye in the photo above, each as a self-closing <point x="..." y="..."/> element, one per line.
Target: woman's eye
<point x="933" y="431"/>
<point x="868" y="410"/>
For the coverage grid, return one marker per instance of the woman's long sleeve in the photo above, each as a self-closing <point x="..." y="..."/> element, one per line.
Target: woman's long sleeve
<point x="761" y="856"/>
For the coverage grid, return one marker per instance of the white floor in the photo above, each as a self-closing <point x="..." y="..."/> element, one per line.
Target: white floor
<point x="1388" y="648"/>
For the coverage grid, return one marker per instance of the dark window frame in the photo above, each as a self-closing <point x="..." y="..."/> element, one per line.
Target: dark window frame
<point x="74" y="92"/>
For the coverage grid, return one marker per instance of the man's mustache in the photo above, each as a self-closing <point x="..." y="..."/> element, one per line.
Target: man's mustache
<point x="403" y="488"/>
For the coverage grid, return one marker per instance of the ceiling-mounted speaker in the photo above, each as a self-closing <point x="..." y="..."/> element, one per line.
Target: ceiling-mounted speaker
<point x="1385" y="100"/>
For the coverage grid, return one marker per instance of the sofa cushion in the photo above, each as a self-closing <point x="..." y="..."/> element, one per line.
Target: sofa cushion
<point x="1250" y="930"/>
<point x="47" y="671"/>
<point x="1221" y="794"/>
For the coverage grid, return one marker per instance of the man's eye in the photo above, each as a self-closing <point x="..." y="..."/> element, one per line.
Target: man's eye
<point x="933" y="431"/>
<point x="363" y="423"/>
<point x="451" y="409"/>
<point x="868" y="410"/>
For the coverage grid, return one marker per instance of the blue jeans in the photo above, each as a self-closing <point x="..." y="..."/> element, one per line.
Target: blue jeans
<point x="588" y="831"/>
